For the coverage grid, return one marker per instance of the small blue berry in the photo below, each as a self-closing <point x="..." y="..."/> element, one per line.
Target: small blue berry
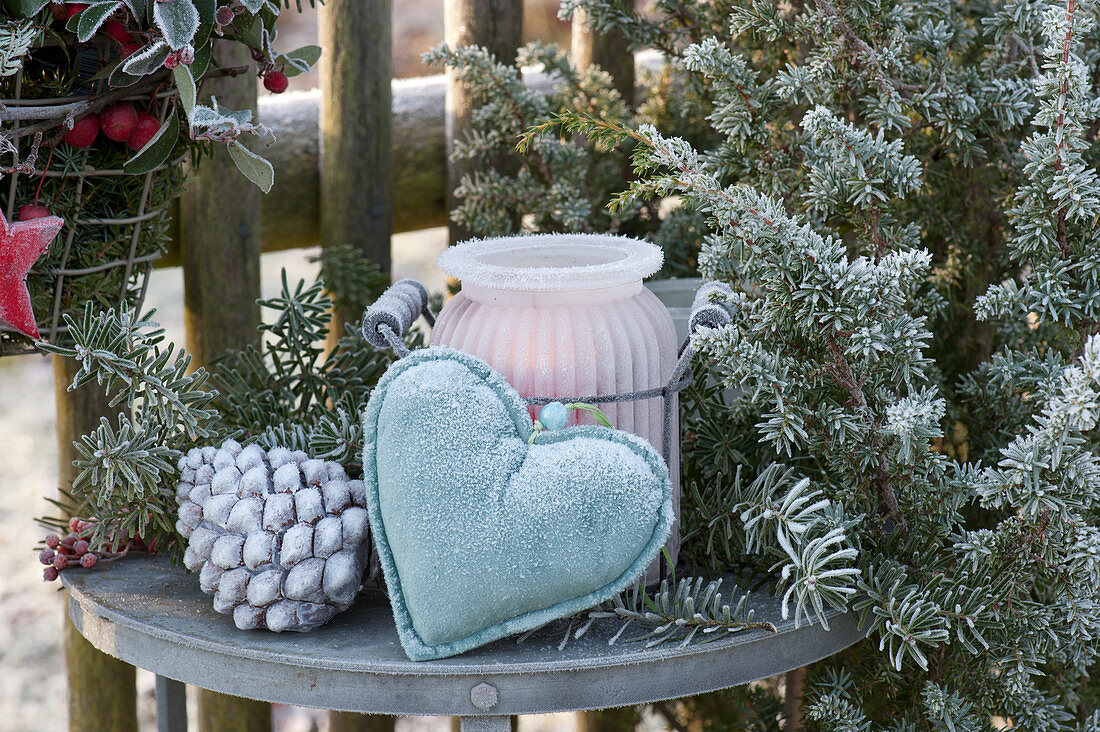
<point x="554" y="416"/>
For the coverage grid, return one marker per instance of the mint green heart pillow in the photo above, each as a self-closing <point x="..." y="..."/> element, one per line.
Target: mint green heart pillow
<point x="481" y="535"/>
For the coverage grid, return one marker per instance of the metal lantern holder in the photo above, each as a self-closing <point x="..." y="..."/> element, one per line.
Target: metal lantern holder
<point x="386" y="322"/>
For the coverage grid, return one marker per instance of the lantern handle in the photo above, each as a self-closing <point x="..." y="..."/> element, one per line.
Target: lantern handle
<point x="389" y="318"/>
<point x="708" y="310"/>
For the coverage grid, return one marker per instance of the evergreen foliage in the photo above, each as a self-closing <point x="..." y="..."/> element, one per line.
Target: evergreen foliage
<point x="284" y="389"/>
<point x="904" y="197"/>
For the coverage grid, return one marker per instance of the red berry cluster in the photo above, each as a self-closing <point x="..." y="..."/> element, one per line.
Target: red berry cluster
<point x="68" y="551"/>
<point x="120" y="122"/>
<point x="75" y="549"/>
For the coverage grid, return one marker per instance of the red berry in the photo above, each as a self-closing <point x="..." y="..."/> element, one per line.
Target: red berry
<point x="186" y="55"/>
<point x="117" y="31"/>
<point x="60" y="561"/>
<point x="75" y="524"/>
<point x="52" y="541"/>
<point x="32" y="211"/>
<point x="81" y="547"/>
<point x="118" y="121"/>
<point x="46" y="556"/>
<point x="224" y="16"/>
<point x="172" y="61"/>
<point x="49" y="574"/>
<point x="128" y="49"/>
<point x="88" y="560"/>
<point x="68" y="541"/>
<point x="147" y="127"/>
<point x="75" y="8"/>
<point x="82" y="134"/>
<point x="276" y="82"/>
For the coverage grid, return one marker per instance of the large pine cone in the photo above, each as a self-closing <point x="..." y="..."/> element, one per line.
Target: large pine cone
<point x="280" y="540"/>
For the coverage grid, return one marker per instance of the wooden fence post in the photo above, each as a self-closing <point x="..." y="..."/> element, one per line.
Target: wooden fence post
<point x="219" y="227"/>
<point x="357" y="179"/>
<point x="357" y="166"/>
<point x="496" y="25"/>
<point x="102" y="691"/>
<point x="610" y="52"/>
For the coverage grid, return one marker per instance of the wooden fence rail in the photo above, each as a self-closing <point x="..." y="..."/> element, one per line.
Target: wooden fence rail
<point x="292" y="211"/>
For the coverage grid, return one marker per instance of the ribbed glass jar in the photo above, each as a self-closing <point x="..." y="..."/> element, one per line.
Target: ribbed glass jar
<point x="566" y="315"/>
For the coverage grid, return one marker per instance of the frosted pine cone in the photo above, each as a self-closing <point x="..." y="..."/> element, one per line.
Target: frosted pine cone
<point x="281" y="541"/>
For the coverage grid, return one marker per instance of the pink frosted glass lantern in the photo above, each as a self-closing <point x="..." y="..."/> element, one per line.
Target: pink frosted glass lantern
<point x="566" y="316"/>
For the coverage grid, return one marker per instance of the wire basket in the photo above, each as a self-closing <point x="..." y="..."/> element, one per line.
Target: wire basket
<point x="116" y="224"/>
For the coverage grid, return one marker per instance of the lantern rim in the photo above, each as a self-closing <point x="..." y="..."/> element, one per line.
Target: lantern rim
<point x="551" y="262"/>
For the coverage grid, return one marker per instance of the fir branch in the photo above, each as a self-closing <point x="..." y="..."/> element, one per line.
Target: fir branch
<point x="681" y="611"/>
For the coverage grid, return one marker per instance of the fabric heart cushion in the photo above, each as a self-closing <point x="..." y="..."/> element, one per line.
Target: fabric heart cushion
<point x="482" y="535"/>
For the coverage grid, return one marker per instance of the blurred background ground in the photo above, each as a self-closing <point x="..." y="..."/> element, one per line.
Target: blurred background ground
<point x="32" y="674"/>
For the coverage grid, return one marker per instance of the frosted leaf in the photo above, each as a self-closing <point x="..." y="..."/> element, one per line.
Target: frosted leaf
<point x="209" y="577"/>
<point x="247" y="516"/>
<point x="356" y="528"/>
<point x="287" y="478"/>
<point x="227" y="551"/>
<point x="297" y="545"/>
<point x="216" y="509"/>
<point x="264" y="588"/>
<point x="342" y="577"/>
<point x="233" y="585"/>
<point x="308" y="506"/>
<point x="250" y="457"/>
<point x="327" y="536"/>
<point x="254" y="482"/>
<point x="226" y="480"/>
<point x="278" y="511"/>
<point x="246" y="617"/>
<point x="337" y="496"/>
<point x="258" y="549"/>
<point x="303" y="581"/>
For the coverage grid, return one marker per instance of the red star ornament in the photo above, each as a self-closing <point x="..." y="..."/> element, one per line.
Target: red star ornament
<point x="21" y="244"/>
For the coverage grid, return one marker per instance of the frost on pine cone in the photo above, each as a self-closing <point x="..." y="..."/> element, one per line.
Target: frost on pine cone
<point x="280" y="540"/>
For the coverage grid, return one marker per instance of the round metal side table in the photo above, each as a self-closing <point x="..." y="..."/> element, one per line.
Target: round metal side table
<point x="151" y="615"/>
